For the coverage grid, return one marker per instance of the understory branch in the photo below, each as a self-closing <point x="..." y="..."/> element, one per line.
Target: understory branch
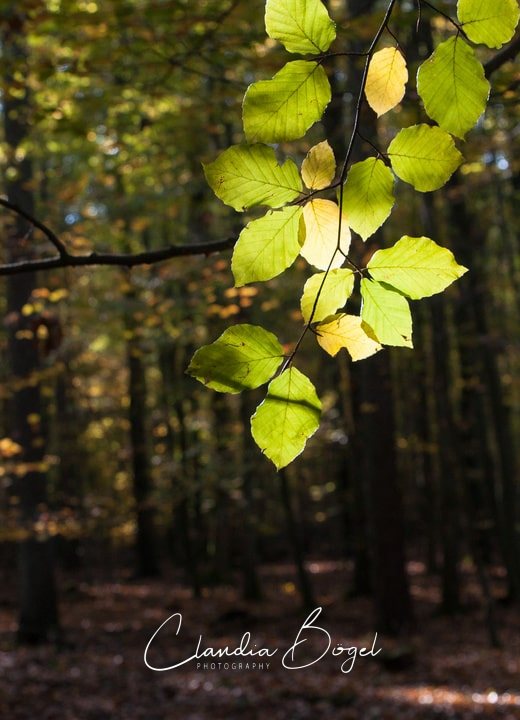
<point x="65" y="259"/>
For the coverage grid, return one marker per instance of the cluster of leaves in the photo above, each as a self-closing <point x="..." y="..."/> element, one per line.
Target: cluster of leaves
<point x="454" y="90"/>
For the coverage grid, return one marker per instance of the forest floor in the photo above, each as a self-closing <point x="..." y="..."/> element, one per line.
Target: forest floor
<point x="100" y="673"/>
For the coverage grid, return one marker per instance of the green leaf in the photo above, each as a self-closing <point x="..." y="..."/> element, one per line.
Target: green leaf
<point x="452" y="86"/>
<point x="247" y="175"/>
<point x="386" y="314"/>
<point x="288" y="416"/>
<point x="424" y="156"/>
<point x="244" y="357"/>
<point x="285" y="107"/>
<point x="336" y="290"/>
<point x="267" y="246"/>
<point x="417" y="267"/>
<point x="302" y="26"/>
<point x="368" y="196"/>
<point x="491" y="22"/>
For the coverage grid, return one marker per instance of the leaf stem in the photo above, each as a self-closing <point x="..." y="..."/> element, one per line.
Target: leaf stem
<point x="446" y="17"/>
<point x="340" y="182"/>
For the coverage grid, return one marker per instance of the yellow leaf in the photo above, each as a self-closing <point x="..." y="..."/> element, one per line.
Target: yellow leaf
<point x="57" y="295"/>
<point x="320" y="248"/>
<point x="346" y="331"/>
<point x="319" y="167"/>
<point x="386" y="80"/>
<point x="9" y="447"/>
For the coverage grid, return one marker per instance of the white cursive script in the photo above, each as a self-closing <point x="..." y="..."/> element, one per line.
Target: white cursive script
<point x="311" y="639"/>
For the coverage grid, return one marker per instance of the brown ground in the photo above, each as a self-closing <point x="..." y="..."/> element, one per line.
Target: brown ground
<point x="102" y="675"/>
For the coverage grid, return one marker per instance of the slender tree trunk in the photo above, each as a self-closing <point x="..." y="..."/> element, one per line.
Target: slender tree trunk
<point x="355" y="513"/>
<point x="223" y="460"/>
<point x="38" y="619"/>
<point x="70" y="476"/>
<point x="375" y="444"/>
<point x="427" y="431"/>
<point x="450" y="477"/>
<point x="182" y="511"/>
<point x="171" y="359"/>
<point x="392" y="601"/>
<point x="146" y="541"/>
<point x="304" y="584"/>
<point x="252" y="589"/>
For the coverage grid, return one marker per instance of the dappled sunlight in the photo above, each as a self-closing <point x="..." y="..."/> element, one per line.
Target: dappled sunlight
<point x="443" y="697"/>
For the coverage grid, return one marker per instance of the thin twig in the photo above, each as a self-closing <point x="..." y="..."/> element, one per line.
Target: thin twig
<point x="419" y="15"/>
<point x="341" y="181"/>
<point x="49" y="234"/>
<point x="348" y="53"/>
<point x="394" y="36"/>
<point x="446" y="17"/>
<point x="369" y="142"/>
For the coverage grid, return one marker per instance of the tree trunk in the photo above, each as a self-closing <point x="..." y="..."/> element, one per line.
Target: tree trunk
<point x="392" y="601"/>
<point x="450" y="475"/>
<point x="38" y="621"/>
<point x="468" y="242"/>
<point x="146" y="541"/>
<point x="304" y="584"/>
<point x="375" y="447"/>
<point x="252" y="589"/>
<point x="70" y="479"/>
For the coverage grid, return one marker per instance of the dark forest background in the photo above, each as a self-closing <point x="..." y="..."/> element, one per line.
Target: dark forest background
<point x="128" y="491"/>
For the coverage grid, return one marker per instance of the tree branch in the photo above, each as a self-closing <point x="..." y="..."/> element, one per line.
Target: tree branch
<point x="503" y="56"/>
<point x="65" y="259"/>
<point x="49" y="234"/>
<point x="121" y="259"/>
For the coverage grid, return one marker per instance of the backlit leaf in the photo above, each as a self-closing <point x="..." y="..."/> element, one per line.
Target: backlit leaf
<point x="368" y="196"/>
<point x="452" y="86"/>
<point x="247" y="175"/>
<point x="386" y="314"/>
<point x="319" y="166"/>
<point x="346" y="331"/>
<point x="491" y="22"/>
<point x="417" y="267"/>
<point x="267" y="246"/>
<point x="334" y="291"/>
<point x="302" y="26"/>
<point x="288" y="416"/>
<point x="424" y="156"/>
<point x="285" y="107"/>
<point x="321" y="235"/>
<point x="244" y="357"/>
<point x="386" y="80"/>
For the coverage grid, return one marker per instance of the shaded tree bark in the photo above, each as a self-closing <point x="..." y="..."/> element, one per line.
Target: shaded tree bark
<point x="304" y="584"/>
<point x="252" y="589"/>
<point x="146" y="541"/>
<point x="38" y="619"/>
<point x="392" y="601"/>
<point x="468" y="239"/>
<point x="450" y="477"/>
